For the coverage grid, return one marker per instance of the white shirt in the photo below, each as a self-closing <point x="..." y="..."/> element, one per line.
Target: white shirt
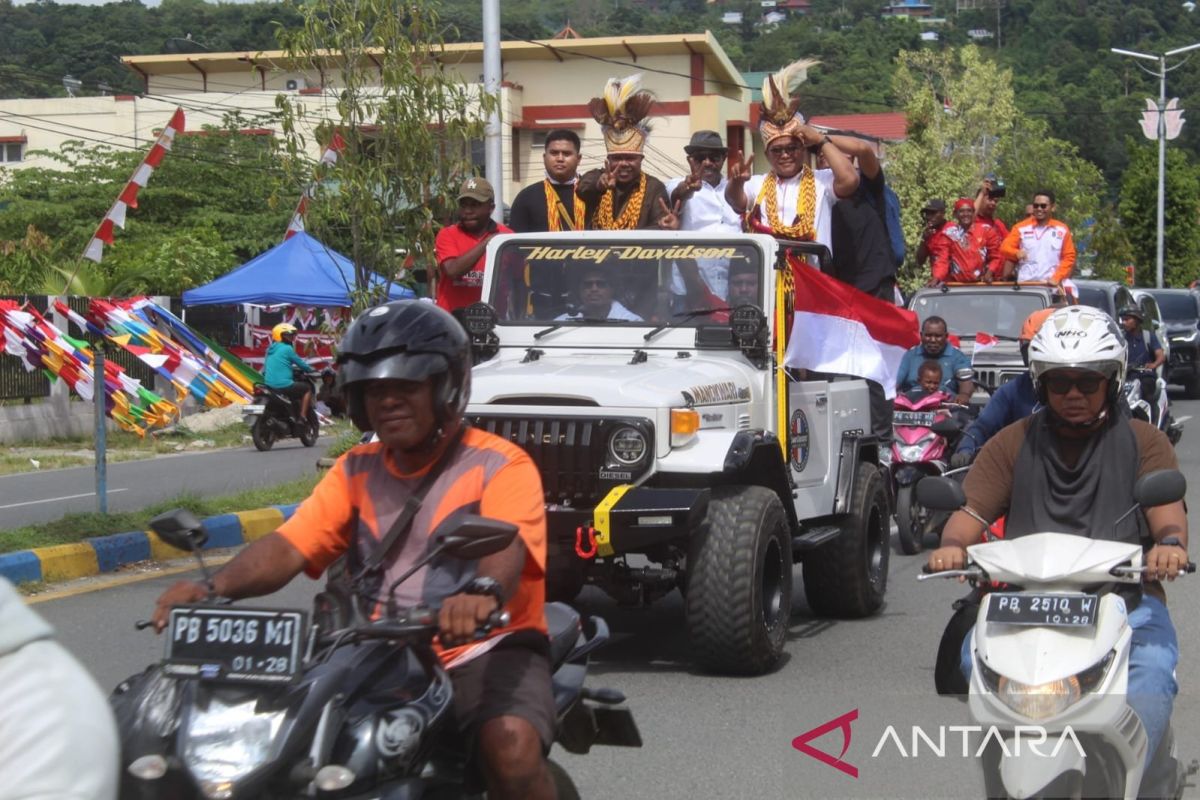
<point x="616" y="311"/>
<point x="787" y="192"/>
<point x="706" y="210"/>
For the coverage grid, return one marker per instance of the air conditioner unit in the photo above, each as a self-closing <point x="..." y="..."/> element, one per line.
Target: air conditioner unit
<point x="294" y="84"/>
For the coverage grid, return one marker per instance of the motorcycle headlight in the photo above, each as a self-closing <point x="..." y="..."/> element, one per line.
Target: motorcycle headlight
<point x="628" y="446"/>
<point x="223" y="743"/>
<point x="1045" y="700"/>
<point x="916" y="450"/>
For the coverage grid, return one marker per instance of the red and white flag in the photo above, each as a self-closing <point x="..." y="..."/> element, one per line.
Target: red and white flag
<point x="985" y="340"/>
<point x="328" y="158"/>
<point x="128" y="197"/>
<point x="842" y="330"/>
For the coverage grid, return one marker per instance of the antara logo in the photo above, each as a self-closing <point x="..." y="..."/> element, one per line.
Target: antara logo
<point x="801" y="742"/>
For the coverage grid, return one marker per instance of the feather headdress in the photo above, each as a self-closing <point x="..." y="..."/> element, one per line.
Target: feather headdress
<point x="778" y="113"/>
<point x="621" y="112"/>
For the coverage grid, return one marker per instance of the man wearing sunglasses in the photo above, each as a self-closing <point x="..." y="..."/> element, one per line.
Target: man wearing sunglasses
<point x="1070" y="467"/>
<point x="597" y="299"/>
<point x="1041" y="246"/>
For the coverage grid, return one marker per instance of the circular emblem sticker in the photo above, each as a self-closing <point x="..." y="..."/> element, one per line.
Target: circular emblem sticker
<point x="798" y="440"/>
<point x="378" y="311"/>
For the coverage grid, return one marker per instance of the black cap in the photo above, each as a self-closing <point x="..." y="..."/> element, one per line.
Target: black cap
<point x="936" y="204"/>
<point x="704" y="141"/>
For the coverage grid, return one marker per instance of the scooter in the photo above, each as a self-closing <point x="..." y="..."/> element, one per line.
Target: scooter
<point x="258" y="703"/>
<point x="1050" y="662"/>
<point x="922" y="433"/>
<point x="1156" y="412"/>
<point x="274" y="415"/>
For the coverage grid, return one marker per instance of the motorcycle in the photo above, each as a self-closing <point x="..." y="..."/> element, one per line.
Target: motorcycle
<point x="274" y="415"/>
<point x="922" y="433"/>
<point x="1155" y="411"/>
<point x="1051" y="658"/>
<point x="256" y="703"/>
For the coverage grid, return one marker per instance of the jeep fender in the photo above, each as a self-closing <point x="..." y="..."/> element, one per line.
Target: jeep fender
<point x="855" y="447"/>
<point x="754" y="458"/>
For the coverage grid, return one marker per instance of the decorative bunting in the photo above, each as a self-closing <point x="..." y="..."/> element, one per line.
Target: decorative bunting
<point x="328" y="159"/>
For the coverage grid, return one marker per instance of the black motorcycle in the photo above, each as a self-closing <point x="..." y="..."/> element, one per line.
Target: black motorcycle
<point x="274" y="415"/>
<point x="256" y="703"/>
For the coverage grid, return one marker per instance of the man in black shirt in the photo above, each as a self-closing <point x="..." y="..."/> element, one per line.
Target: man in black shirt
<point x="862" y="251"/>
<point x="551" y="204"/>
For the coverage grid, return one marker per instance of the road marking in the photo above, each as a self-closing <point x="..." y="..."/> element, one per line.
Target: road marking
<point x="98" y="583"/>
<point x="56" y="499"/>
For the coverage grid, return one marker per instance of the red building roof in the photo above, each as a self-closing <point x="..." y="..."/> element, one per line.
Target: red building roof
<point x="891" y="126"/>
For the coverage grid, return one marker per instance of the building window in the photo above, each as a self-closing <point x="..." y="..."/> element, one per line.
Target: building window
<point x="12" y="152"/>
<point x="539" y="138"/>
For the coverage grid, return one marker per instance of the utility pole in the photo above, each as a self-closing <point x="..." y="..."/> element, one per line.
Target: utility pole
<point x="493" y="149"/>
<point x="1161" y="134"/>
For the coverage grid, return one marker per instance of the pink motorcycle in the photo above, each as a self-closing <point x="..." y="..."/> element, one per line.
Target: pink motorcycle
<point x="923" y="430"/>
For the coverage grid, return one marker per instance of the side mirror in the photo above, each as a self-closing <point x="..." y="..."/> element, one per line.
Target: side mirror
<point x="471" y="537"/>
<point x="946" y="426"/>
<point x="941" y="494"/>
<point x="1160" y="488"/>
<point x="181" y="529"/>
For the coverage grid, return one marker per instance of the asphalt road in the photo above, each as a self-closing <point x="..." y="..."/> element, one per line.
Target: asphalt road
<point x="32" y="497"/>
<point x="718" y="737"/>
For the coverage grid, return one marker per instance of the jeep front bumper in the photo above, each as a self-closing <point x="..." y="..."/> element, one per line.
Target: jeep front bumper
<point x="628" y="519"/>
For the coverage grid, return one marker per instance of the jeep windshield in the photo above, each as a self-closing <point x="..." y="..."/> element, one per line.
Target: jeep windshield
<point x="999" y="312"/>
<point x="624" y="283"/>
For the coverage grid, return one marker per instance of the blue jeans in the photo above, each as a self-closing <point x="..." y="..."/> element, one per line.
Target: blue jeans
<point x="1153" y="654"/>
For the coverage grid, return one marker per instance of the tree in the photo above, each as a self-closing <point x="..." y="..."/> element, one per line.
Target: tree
<point x="963" y="124"/>
<point x="408" y="124"/>
<point x="1139" y="213"/>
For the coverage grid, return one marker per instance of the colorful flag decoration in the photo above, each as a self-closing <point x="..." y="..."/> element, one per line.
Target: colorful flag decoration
<point x="30" y="337"/>
<point x="128" y="197"/>
<point x="328" y="158"/>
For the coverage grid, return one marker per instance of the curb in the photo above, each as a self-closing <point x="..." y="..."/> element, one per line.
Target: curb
<point x="102" y="554"/>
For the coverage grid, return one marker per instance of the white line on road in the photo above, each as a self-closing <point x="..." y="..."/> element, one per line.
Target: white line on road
<point x="56" y="499"/>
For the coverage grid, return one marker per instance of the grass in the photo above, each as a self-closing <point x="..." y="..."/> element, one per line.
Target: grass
<point x="77" y="527"/>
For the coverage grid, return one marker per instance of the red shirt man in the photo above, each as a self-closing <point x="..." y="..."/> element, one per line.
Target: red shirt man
<point x="965" y="250"/>
<point x="460" y="248"/>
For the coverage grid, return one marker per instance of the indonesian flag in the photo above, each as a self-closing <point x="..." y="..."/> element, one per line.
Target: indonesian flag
<point x="985" y="340"/>
<point x="127" y="199"/>
<point x="842" y="330"/>
<point x="328" y="158"/>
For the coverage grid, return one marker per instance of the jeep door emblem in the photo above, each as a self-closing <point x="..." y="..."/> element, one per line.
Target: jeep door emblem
<point x="798" y="440"/>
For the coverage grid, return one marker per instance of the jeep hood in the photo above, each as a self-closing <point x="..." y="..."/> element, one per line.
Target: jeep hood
<point x="610" y="380"/>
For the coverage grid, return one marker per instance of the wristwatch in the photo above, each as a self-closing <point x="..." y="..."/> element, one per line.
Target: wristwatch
<point x="1173" y="541"/>
<point x="484" y="585"/>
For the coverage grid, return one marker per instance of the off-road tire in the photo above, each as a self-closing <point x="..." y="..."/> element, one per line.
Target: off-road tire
<point x="847" y="577"/>
<point x="739" y="582"/>
<point x="262" y="433"/>
<point x="910" y="527"/>
<point x="311" y="430"/>
<point x="563" y="785"/>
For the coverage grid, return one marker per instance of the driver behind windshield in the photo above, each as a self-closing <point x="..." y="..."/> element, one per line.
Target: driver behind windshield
<point x="597" y="298"/>
<point x="743" y="284"/>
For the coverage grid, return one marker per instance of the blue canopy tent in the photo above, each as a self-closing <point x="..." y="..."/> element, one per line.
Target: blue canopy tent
<point x="299" y="272"/>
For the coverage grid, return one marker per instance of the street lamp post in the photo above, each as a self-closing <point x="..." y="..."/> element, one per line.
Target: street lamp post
<point x="1161" y="73"/>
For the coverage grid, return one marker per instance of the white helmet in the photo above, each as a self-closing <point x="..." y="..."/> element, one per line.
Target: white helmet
<point x="1079" y="337"/>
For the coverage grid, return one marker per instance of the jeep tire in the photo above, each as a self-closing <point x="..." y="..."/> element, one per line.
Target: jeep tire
<point x="739" y="582"/>
<point x="847" y="576"/>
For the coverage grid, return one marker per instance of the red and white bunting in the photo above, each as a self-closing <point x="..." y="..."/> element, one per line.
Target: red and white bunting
<point x="127" y="199"/>
<point x="328" y="158"/>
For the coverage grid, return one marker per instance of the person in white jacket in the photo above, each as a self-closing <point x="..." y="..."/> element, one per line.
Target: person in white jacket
<point x="58" y="739"/>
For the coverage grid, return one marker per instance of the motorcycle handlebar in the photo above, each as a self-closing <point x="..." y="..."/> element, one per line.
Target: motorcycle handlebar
<point x="1187" y="569"/>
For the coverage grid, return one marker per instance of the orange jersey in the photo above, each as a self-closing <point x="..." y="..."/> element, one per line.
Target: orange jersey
<point x="356" y="503"/>
<point x="1049" y="250"/>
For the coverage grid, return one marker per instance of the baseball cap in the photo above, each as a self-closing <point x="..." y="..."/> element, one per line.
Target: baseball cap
<point x="477" y="189"/>
<point x="936" y="204"/>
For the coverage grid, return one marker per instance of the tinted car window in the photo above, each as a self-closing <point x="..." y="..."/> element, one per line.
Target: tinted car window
<point x="1096" y="298"/>
<point x="1177" y="306"/>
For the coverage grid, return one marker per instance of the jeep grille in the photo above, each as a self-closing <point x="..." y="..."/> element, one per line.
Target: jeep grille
<point x="572" y="453"/>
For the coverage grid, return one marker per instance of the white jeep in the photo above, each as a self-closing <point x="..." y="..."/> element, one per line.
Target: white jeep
<point x="674" y="448"/>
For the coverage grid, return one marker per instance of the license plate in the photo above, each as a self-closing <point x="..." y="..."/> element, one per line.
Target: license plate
<point x="923" y="419"/>
<point x="255" y="409"/>
<point x="1049" y="610"/>
<point x="246" y="645"/>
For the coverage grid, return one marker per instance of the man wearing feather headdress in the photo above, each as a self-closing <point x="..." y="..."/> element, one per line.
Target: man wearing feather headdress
<point x="621" y="196"/>
<point x="793" y="200"/>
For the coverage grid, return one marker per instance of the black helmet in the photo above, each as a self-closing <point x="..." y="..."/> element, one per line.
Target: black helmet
<point x="1132" y="311"/>
<point x="406" y="340"/>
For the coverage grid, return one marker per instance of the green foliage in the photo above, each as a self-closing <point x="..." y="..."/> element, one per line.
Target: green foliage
<point x="1139" y="214"/>
<point x="217" y="199"/>
<point x="407" y="123"/>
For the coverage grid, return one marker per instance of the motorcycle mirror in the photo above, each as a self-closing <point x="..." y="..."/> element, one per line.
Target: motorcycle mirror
<point x="964" y="374"/>
<point x="941" y="494"/>
<point x="1159" y="488"/>
<point x="180" y="529"/>
<point x="471" y="537"/>
<point x="946" y="426"/>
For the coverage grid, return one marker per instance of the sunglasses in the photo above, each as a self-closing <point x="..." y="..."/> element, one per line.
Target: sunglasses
<point x="1040" y="205"/>
<point x="1061" y="384"/>
<point x="711" y="156"/>
<point x="594" y="284"/>
<point x="783" y="151"/>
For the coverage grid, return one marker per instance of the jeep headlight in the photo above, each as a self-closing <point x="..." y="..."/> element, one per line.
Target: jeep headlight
<point x="628" y="446"/>
<point x="1044" y="700"/>
<point x="1185" y="337"/>
<point x="224" y="743"/>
